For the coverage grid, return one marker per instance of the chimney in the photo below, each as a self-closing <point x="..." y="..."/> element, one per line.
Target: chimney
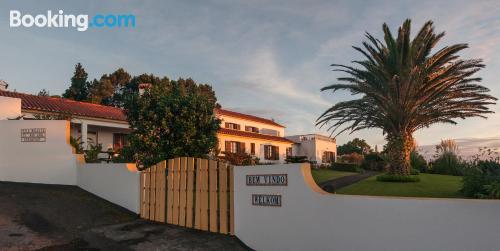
<point x="3" y="85"/>
<point x="143" y="87"/>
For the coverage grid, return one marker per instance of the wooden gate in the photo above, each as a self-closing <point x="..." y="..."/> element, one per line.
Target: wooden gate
<point x="189" y="192"/>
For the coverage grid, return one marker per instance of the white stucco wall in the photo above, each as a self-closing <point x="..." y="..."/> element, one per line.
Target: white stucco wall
<point x="49" y="162"/>
<point x="10" y="108"/>
<point x="117" y="183"/>
<point x="310" y="219"/>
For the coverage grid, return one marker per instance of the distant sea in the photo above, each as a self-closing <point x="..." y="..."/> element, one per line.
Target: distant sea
<point x="467" y="147"/>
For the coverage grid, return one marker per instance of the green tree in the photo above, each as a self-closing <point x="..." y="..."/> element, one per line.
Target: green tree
<point x="168" y="121"/>
<point x="108" y="89"/>
<point x="101" y="91"/>
<point x="79" y="88"/>
<point x="402" y="88"/>
<point x="356" y="145"/>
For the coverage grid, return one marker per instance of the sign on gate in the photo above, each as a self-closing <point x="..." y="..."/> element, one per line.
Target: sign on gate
<point x="33" y="135"/>
<point x="270" y="200"/>
<point x="267" y="180"/>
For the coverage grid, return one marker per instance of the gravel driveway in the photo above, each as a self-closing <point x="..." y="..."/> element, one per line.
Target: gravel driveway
<point x="56" y="217"/>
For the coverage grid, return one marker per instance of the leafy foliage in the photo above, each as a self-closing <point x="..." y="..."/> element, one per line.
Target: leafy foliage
<point x="92" y="153"/>
<point x="418" y="162"/>
<point x="346" y="167"/>
<point x="373" y="161"/>
<point x="296" y="159"/>
<point x="240" y="159"/>
<point x="480" y="179"/>
<point x="79" y="88"/>
<point x="77" y="144"/>
<point x="171" y="119"/>
<point x="403" y="88"/>
<point x="355" y="158"/>
<point x="447" y="163"/>
<point x="354" y="146"/>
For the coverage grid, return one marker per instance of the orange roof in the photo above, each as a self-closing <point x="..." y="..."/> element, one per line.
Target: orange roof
<point x="253" y="135"/>
<point x="61" y="105"/>
<point x="247" y="117"/>
<point x="85" y="109"/>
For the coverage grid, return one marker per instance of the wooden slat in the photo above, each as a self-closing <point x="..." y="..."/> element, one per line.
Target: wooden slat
<point x="175" y="213"/>
<point x="152" y="193"/>
<point x="223" y="198"/>
<point x="160" y="191"/>
<point x="170" y="191"/>
<point x="142" y="176"/>
<point x="182" y="190"/>
<point x="231" y="199"/>
<point x="204" y="195"/>
<point x="197" y="198"/>
<point x="190" y="193"/>
<point x="213" y="198"/>
<point x="146" y="193"/>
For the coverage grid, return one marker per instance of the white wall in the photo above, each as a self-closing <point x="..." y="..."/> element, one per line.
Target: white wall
<point x="10" y="108"/>
<point x="310" y="219"/>
<point x="117" y="183"/>
<point x="50" y="162"/>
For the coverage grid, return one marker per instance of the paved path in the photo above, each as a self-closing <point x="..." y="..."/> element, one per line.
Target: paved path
<point x="335" y="184"/>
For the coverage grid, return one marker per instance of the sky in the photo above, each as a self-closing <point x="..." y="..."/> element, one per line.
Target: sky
<point x="267" y="58"/>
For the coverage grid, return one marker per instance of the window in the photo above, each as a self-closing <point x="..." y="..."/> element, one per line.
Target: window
<point x="235" y="147"/>
<point x="270" y="132"/>
<point x="232" y="126"/>
<point x="251" y="129"/>
<point x="252" y="148"/>
<point x="271" y="152"/>
<point x="119" y="141"/>
<point x="328" y="157"/>
<point x="289" y="151"/>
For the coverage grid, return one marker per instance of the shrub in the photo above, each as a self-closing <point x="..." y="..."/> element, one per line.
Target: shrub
<point x="240" y="159"/>
<point x="346" y="167"/>
<point x="397" y="178"/>
<point x="296" y="159"/>
<point x="354" y="158"/>
<point x="418" y="162"/>
<point x="480" y="179"/>
<point x="125" y="155"/>
<point x="76" y="144"/>
<point x="373" y="161"/>
<point x="92" y="154"/>
<point x="448" y="163"/>
<point x="493" y="190"/>
<point x="414" y="172"/>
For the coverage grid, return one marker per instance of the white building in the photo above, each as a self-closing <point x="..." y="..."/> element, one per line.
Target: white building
<point x="259" y="137"/>
<point x="318" y="148"/>
<point x="108" y="126"/>
<point x="92" y="123"/>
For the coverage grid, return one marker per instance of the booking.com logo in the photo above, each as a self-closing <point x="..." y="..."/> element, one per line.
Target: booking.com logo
<point x="81" y="22"/>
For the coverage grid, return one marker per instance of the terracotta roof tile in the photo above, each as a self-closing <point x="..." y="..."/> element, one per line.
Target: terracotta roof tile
<point x="247" y="117"/>
<point x="85" y="109"/>
<point x="61" y="105"/>
<point x="253" y="135"/>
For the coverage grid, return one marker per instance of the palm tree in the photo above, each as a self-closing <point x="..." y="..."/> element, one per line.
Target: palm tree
<point x="404" y="88"/>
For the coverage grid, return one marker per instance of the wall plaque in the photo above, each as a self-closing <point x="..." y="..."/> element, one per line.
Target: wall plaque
<point x="269" y="200"/>
<point x="267" y="180"/>
<point x="33" y="135"/>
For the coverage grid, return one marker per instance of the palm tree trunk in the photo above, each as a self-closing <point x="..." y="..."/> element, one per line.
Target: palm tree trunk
<point x="399" y="147"/>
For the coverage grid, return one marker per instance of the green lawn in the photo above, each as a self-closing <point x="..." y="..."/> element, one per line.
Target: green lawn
<point x="321" y="175"/>
<point x="430" y="185"/>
